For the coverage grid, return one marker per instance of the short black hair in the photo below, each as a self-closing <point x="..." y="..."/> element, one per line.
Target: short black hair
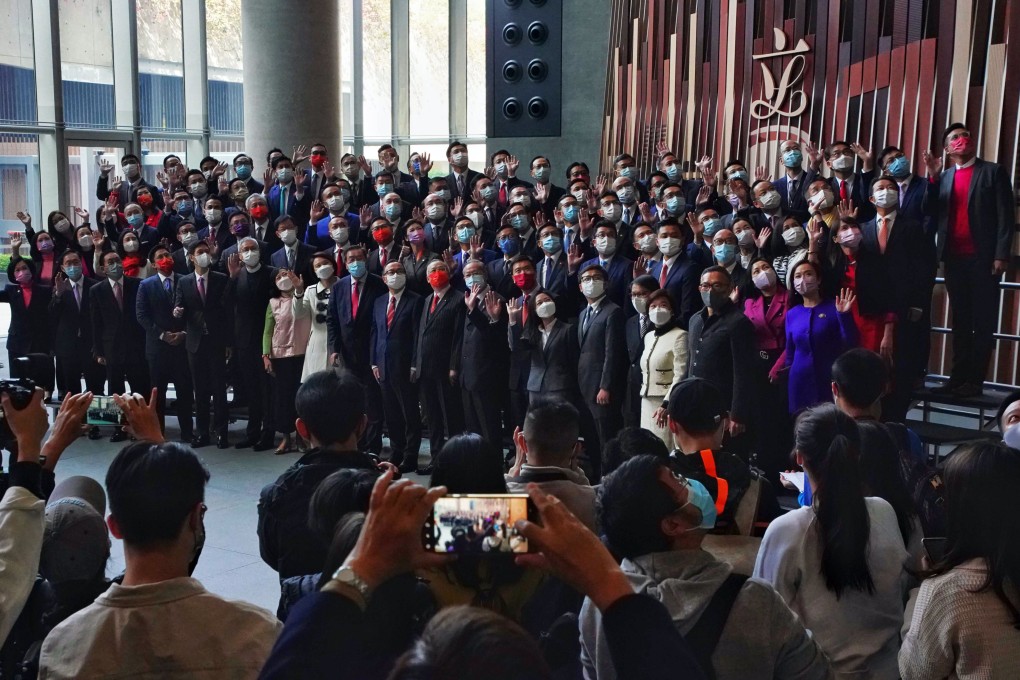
<point x="954" y="126"/>
<point x="331" y="405"/>
<point x="155" y="249"/>
<point x="168" y="157"/>
<point x="282" y="219"/>
<point x="152" y="488"/>
<point x="344" y="491"/>
<point x="719" y="270"/>
<point x="270" y="153"/>
<point x="629" y="443"/>
<point x="206" y="160"/>
<point x="885" y="152"/>
<point x="456" y="142"/>
<point x="646" y="281"/>
<point x="551" y="428"/>
<point x="521" y="258"/>
<point x="577" y="164"/>
<point x="239" y="157"/>
<point x="623" y="157"/>
<point x="469" y="463"/>
<point x="385" y="147"/>
<point x="591" y="267"/>
<point x="281" y="159"/>
<point x="492" y="157"/>
<point x="861" y="376"/>
<point x="631" y="507"/>
<point x="69" y="251"/>
<point x="129" y="157"/>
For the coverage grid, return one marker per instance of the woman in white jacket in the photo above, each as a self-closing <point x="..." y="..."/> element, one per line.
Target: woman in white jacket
<point x="663" y="363"/>
<point x="316" y="305"/>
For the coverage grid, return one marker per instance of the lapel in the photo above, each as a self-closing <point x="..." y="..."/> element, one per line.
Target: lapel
<point x="554" y="336"/>
<point x="439" y="306"/>
<point x="778" y="305"/>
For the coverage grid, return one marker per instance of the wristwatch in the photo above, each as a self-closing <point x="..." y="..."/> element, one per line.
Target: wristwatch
<point x="346" y="580"/>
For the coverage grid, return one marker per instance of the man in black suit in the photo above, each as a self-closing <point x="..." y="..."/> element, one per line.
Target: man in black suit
<point x="792" y="186"/>
<point x="917" y="196"/>
<point x="677" y="271"/>
<point x="508" y="243"/>
<point x="240" y="227"/>
<point x="127" y="191"/>
<point x="483" y="369"/>
<point x="403" y="184"/>
<point x="552" y="267"/>
<point x="349" y="328"/>
<point x="437" y="358"/>
<point x="391" y="206"/>
<point x="243" y="167"/>
<point x="203" y="301"/>
<point x="294" y="254"/>
<point x="504" y="166"/>
<point x="252" y="285"/>
<point x="976" y="220"/>
<point x="601" y="364"/>
<point x="187" y="237"/>
<point x="216" y="227"/>
<point x="547" y="194"/>
<point x="722" y="350"/>
<point x="525" y="287"/>
<point x="164" y="339"/>
<point x="634" y="332"/>
<point x="72" y="330"/>
<point x="387" y="247"/>
<point x="358" y="174"/>
<point x="461" y="177"/>
<point x="118" y="341"/>
<point x="395" y="318"/>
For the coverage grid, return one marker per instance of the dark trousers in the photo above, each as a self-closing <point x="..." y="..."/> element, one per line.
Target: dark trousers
<point x="632" y="400"/>
<point x="257" y="389"/>
<point x="441" y="402"/>
<point x="974" y="297"/>
<point x="403" y="419"/>
<point x="170" y="365"/>
<point x="124" y="371"/>
<point x="599" y="424"/>
<point x="910" y="362"/>
<point x="371" y="438"/>
<point x="286" y="384"/>
<point x="209" y="372"/>
<point x="481" y="415"/>
<point x="73" y="367"/>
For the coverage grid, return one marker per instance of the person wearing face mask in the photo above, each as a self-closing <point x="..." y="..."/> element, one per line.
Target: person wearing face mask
<point x="552" y="267"/>
<point x="770" y="213"/>
<point x="294" y="256"/>
<point x="42" y="250"/>
<point x="240" y="228"/>
<point x="644" y="244"/>
<point x="526" y="287"/>
<point x="86" y="248"/>
<point x="483" y="369"/>
<point x="610" y="209"/>
<point x="657" y="521"/>
<point x="686" y="190"/>
<point x="181" y="209"/>
<point x="916" y="196"/>
<point x="252" y="284"/>
<point x="504" y="168"/>
<point x="237" y="194"/>
<point x="461" y="178"/>
<point x="416" y="257"/>
<point x="549" y="343"/>
<point x="127" y="190"/>
<point x="634" y="330"/>
<point x="395" y="318"/>
<point x="627" y="192"/>
<point x="792" y="186"/>
<point x="726" y="253"/>
<point x="975" y="236"/>
<point x="790" y="246"/>
<point x="61" y="230"/>
<point x="818" y="330"/>
<point x="601" y="362"/>
<point x="547" y="194"/>
<point x="508" y="245"/>
<point x="626" y="169"/>
<point x="847" y="185"/>
<point x="187" y="237"/>
<point x="663" y="363"/>
<point x="243" y="167"/>
<point x="288" y="325"/>
<point x="823" y="202"/>
<point x="202" y="298"/>
<point x="391" y="206"/>
<point x="1008" y="419"/>
<point x="747" y="244"/>
<point x="387" y="248"/>
<point x="721" y="350"/>
<point x="216" y="226"/>
<point x="30" y="331"/>
<point x="164" y="340"/>
<point x="905" y="251"/>
<point x="518" y="217"/>
<point x="619" y="269"/>
<point x="134" y="261"/>
<point x="198" y="187"/>
<point x="484" y="194"/>
<point x="72" y="330"/>
<point x="334" y="202"/>
<point x="290" y="194"/>
<point x="438" y="355"/>
<point x="463" y="234"/>
<point x="315" y="304"/>
<point x="438" y="223"/>
<point x="677" y="271"/>
<point x="358" y="173"/>
<point x="261" y="227"/>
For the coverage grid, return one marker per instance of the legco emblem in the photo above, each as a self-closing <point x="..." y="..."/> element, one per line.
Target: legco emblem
<point x="783" y="94"/>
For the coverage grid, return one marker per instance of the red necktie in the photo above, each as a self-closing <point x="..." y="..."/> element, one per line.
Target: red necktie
<point x="354" y="300"/>
<point x="883" y="233"/>
<point x="382" y="257"/>
<point x="435" y="301"/>
<point x="118" y="295"/>
<point x="502" y="193"/>
<point x="524" y="311"/>
<point x="663" y="275"/>
<point x="391" y="311"/>
<point x="843" y="192"/>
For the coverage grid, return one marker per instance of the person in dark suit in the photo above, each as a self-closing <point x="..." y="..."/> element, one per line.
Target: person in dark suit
<point x="547" y="194"/>
<point x="438" y="223"/>
<point x="30" y="330"/>
<point x="461" y="178"/>
<point x="118" y="341"/>
<point x="290" y="195"/>
<point x="437" y="358"/>
<point x="522" y="273"/>
<point x="294" y="255"/>
<point x="240" y="227"/>
<point x="251" y="286"/>
<point x="387" y="247"/>
<point x="416" y="257"/>
<point x="394" y="334"/>
<point x="391" y="206"/>
<point x="551" y="345"/>
<point x="552" y="267"/>
<point x="203" y="301"/>
<point x="349" y="328"/>
<point x="618" y="268"/>
<point x="906" y="253"/>
<point x="498" y="272"/>
<point x="792" y="186"/>
<point x="917" y="196"/>
<point x="483" y="369"/>
<point x="187" y="237"/>
<point x="504" y="166"/>
<point x="243" y="166"/>
<point x="402" y="183"/>
<point x="216" y="226"/>
<point x="601" y="362"/>
<point x="677" y="271"/>
<point x="164" y="339"/>
<point x="127" y="191"/>
<point x="722" y="349"/>
<point x="358" y="173"/>
<point x="976" y="216"/>
<point x="634" y="333"/>
<point x="846" y="184"/>
<point x="72" y="330"/>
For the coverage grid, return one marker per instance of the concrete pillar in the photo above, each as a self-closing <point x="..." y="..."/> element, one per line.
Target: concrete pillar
<point x="291" y="76"/>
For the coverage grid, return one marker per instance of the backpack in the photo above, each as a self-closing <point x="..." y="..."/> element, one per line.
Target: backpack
<point x="923" y="482"/>
<point x="704" y="636"/>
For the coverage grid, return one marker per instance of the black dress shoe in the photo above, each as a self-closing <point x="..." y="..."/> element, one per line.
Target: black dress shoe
<point x="94" y="433"/>
<point x="222" y="442"/>
<point x="406" y="468"/>
<point x="119" y="436"/>
<point x="245" y="443"/>
<point x="948" y="387"/>
<point x="425" y="471"/>
<point x="198" y="441"/>
<point x="264" y="444"/>
<point x="969" y="390"/>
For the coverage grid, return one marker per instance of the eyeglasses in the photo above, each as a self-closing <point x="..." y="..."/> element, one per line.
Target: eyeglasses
<point x="589" y="279"/>
<point x="717" y="287"/>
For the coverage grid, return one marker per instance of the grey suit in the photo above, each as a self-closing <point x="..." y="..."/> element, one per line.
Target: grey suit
<point x="602" y="365"/>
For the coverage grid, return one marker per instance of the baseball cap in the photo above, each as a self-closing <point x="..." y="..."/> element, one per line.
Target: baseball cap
<point x="76" y="544"/>
<point x="696" y="405"/>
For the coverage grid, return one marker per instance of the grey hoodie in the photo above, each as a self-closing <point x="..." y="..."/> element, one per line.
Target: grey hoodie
<point x="762" y="638"/>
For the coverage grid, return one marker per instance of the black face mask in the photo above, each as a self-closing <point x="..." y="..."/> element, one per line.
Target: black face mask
<point x="199" y="544"/>
<point x="714" y="299"/>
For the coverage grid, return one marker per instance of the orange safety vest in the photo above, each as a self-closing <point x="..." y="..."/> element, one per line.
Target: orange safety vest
<point x="722" y="486"/>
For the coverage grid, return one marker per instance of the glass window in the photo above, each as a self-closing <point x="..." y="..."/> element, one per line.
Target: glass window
<point x="347" y="68"/>
<point x="154" y="150"/>
<point x="160" y="64"/>
<point x="19" y="182"/>
<point x="476" y="69"/>
<point x="377" y="98"/>
<point x="224" y="55"/>
<point x="86" y="64"/>
<point x="429" y="68"/>
<point x="17" y="63"/>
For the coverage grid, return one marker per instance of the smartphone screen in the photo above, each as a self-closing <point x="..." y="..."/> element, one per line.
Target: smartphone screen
<point x="478" y="524"/>
<point x="935" y="548"/>
<point x="103" y="411"/>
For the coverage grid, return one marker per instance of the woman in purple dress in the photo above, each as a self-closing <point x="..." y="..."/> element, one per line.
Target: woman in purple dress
<point x="817" y="331"/>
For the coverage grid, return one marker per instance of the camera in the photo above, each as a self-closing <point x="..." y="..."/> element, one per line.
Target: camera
<point x="20" y="391"/>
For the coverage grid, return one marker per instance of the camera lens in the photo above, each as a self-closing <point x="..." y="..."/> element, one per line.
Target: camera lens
<point x="512" y="34"/>
<point x="537" y="70"/>
<point x="512" y="108"/>
<point x="512" y="71"/>
<point x="537" y="107"/>
<point x="537" y="32"/>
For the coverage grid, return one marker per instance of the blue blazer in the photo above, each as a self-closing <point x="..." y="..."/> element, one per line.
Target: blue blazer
<point x="154" y="309"/>
<point x="621" y="273"/>
<point x="318" y="236"/>
<point x="297" y="209"/>
<point x="350" y="337"/>
<point x="392" y="349"/>
<point x="682" y="282"/>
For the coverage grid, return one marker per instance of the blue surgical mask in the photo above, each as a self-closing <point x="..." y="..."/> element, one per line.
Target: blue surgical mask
<point x="136" y="220"/>
<point x="699" y="497"/>
<point x="519" y="222"/>
<point x="630" y="172"/>
<point x="475" y="280"/>
<point x="383" y="189"/>
<point x="674" y="205"/>
<point x="673" y="172"/>
<point x="740" y="174"/>
<point x="243" y="171"/>
<point x="541" y="173"/>
<point x="356" y="269"/>
<point x="464" y="234"/>
<point x="552" y="244"/>
<point x="725" y="254"/>
<point x="712" y="225"/>
<point x="898" y="167"/>
<point x="570" y="213"/>
<point x="185" y="208"/>
<point x="509" y="245"/>
<point x="393" y="210"/>
<point x="73" y="272"/>
<point x="489" y="193"/>
<point x="1011" y="437"/>
<point x="792" y="158"/>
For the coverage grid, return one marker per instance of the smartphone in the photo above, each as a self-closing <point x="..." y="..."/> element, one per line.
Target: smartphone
<point x="935" y="548"/>
<point x="103" y="411"/>
<point x="478" y="524"/>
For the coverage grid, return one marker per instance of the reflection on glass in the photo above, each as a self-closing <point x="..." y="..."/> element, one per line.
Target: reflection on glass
<point x="476" y="69"/>
<point x="86" y="63"/>
<point x="224" y="55"/>
<point x="160" y="64"/>
<point x="377" y="98"/>
<point x="429" y="61"/>
<point x="19" y="182"/>
<point x="346" y="67"/>
<point x="17" y="64"/>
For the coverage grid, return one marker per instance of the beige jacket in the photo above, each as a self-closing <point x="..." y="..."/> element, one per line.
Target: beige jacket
<point x="663" y="362"/>
<point x="21" y="534"/>
<point x="172" y="629"/>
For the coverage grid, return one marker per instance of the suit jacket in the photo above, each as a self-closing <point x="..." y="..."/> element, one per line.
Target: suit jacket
<point x="909" y="261"/>
<point x="116" y="334"/>
<point x="392" y="349"/>
<point x="269" y="236"/>
<point x="440" y="336"/>
<point x="224" y="239"/>
<point x="209" y="321"/>
<point x="470" y="177"/>
<point x="603" y="355"/>
<point x="511" y="183"/>
<point x="318" y="236"/>
<point x="722" y="351"/>
<point x="297" y="209"/>
<point x="797" y="202"/>
<point x="682" y="282"/>
<point x="520" y="353"/>
<point x="392" y="255"/>
<point x="264" y="256"/>
<point x="127" y="193"/>
<point x="182" y="265"/>
<point x="72" y="326"/>
<point x="860" y="191"/>
<point x="553" y="367"/>
<point x="769" y="326"/>
<point x="250" y="293"/>
<point x="557" y="280"/>
<point x="302" y="261"/>
<point x="154" y="310"/>
<point x="483" y="353"/>
<point x="990" y="211"/>
<point x="30" y="331"/>
<point x="500" y="277"/>
<point x="438" y="240"/>
<point x="417" y="272"/>
<point x="918" y="201"/>
<point x="348" y="336"/>
<point x="621" y="273"/>
<point x="552" y="200"/>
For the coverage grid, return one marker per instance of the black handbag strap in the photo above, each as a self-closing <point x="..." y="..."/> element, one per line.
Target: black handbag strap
<point x="704" y="636"/>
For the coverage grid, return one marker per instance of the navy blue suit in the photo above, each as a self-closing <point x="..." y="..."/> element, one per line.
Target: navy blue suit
<point x="167" y="363"/>
<point x="318" y="236"/>
<point x="797" y="202"/>
<point x="621" y="273"/>
<point x="297" y="209"/>
<point x="392" y="352"/>
<point x="682" y="282"/>
<point x="302" y="262"/>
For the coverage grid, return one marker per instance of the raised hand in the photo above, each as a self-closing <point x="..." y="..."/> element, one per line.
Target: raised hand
<point x="25" y="218"/>
<point x="661" y="148"/>
<point x="451" y="263"/>
<point x="98" y="239"/>
<point x="846" y="209"/>
<point x="704" y="164"/>
<point x="640" y="266"/>
<point x="512" y="163"/>
<point x="417" y="214"/>
<point x="845" y="301"/>
<point x="365" y="216"/>
<point x="61" y="284"/>
<point x="268" y="179"/>
<point x="703" y="193"/>
<point x="299" y="179"/>
<point x="865" y="156"/>
<point x="163" y="179"/>
<point x="222" y="186"/>
<point x="696" y="226"/>
<point x="318" y="210"/>
<point x="762" y="173"/>
<point x="540" y="220"/>
<point x="933" y="164"/>
<point x="763" y="237"/>
<point x="514" y="310"/>
<point x="646" y="212"/>
<point x="457" y="207"/>
<point x="592" y="196"/>
<point x="115" y="184"/>
<point x="814" y="156"/>
<point x="219" y="170"/>
<point x="475" y="247"/>
<point x="584" y="223"/>
<point x="493" y="304"/>
<point x="366" y="167"/>
<point x="575" y="257"/>
<point x="601" y="182"/>
<point x="299" y="283"/>
<point x="83" y="215"/>
<point x="234" y="264"/>
<point x="105" y="166"/>
<point x="425" y="162"/>
<point x="471" y="298"/>
<point x="490" y="172"/>
<point x="558" y="216"/>
<point x="328" y="170"/>
<point x="16" y="241"/>
<point x="815" y="231"/>
<point x="300" y="155"/>
<point x="541" y="192"/>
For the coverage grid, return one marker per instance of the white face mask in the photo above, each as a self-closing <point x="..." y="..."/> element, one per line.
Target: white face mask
<point x="523" y="199"/>
<point x="605" y="245"/>
<point x="476" y="218"/>
<point x="579" y="195"/>
<point x="336" y="204"/>
<point x="745" y="238"/>
<point x="213" y="216"/>
<point x="764" y="278"/>
<point x="770" y="200"/>
<point x="887" y="198"/>
<point x="85" y="241"/>
<point x="659" y="316"/>
<point x="843" y="162"/>
<point x="625" y="194"/>
<point x="189" y="237"/>
<point x="822" y="200"/>
<point x="593" y="289"/>
<point x="396" y="281"/>
<point x="459" y="158"/>
<point x="669" y="246"/>
<point x="324" y="272"/>
<point x="202" y="260"/>
<point x="62" y="225"/>
<point x="285" y="284"/>
<point x="289" y="237"/>
<point x="250" y="257"/>
<point x="545" y="309"/>
<point x="340" y="234"/>
<point x="793" y="236"/>
<point x="131" y="246"/>
<point x="436" y="211"/>
<point x="613" y="212"/>
<point x="647" y="244"/>
<point x="640" y="304"/>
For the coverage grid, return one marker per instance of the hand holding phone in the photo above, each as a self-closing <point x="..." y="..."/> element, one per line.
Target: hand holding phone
<point x="478" y="524"/>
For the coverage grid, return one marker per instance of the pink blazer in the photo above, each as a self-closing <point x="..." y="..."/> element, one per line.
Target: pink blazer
<point x="769" y="326"/>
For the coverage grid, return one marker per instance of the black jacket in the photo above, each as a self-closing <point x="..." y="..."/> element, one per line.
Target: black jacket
<point x="721" y="349"/>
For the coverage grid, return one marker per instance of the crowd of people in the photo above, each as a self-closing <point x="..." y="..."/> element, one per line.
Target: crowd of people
<point x="640" y="355"/>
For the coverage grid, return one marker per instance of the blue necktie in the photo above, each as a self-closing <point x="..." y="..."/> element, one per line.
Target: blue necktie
<point x="166" y="285"/>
